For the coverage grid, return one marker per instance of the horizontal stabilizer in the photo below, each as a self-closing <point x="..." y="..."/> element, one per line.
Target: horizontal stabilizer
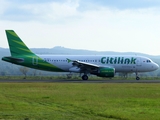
<point x="12" y="59"/>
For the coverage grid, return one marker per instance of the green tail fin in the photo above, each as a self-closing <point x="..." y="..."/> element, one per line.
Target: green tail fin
<point x="16" y="45"/>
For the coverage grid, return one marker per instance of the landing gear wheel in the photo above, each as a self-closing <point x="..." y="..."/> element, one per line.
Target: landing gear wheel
<point x="84" y="77"/>
<point x="137" y="78"/>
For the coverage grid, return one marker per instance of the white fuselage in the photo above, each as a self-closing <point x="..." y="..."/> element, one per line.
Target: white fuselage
<point x="121" y="63"/>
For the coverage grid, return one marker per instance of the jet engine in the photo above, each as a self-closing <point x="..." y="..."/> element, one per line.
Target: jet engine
<point x="104" y="72"/>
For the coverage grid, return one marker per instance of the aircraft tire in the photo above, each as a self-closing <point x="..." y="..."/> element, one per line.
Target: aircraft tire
<point x="84" y="77"/>
<point x="137" y="78"/>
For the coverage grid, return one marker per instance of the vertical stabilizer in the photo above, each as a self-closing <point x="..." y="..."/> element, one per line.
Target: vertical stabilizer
<point x="16" y="45"/>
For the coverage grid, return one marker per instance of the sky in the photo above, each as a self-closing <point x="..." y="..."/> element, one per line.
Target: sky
<point x="99" y="25"/>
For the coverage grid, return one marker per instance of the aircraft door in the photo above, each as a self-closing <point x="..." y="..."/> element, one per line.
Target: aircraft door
<point x="35" y="60"/>
<point x="138" y="61"/>
<point x="138" y="64"/>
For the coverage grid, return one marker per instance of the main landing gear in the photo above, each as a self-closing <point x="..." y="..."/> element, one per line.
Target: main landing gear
<point x="137" y="78"/>
<point x="84" y="77"/>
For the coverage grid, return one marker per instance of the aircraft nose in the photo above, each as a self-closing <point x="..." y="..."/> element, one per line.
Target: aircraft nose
<point x="155" y="66"/>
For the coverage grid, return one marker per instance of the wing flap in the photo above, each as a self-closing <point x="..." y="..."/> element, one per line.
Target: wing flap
<point x="81" y="64"/>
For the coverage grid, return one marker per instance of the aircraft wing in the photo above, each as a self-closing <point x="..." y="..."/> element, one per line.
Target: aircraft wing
<point x="83" y="67"/>
<point x="84" y="64"/>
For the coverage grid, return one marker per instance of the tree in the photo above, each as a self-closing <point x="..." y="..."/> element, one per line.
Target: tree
<point x="3" y="73"/>
<point x="24" y="71"/>
<point x="69" y="75"/>
<point x="34" y="72"/>
<point x="158" y="74"/>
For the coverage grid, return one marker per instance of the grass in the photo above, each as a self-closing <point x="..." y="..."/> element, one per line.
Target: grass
<point x="78" y="101"/>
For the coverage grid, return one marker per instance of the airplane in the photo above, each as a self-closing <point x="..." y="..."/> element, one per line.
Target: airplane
<point x="100" y="65"/>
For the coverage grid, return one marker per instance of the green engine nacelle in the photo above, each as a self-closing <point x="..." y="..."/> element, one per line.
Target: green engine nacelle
<point x="106" y="72"/>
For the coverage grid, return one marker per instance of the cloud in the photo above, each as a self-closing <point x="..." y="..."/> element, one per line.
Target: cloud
<point x="40" y="11"/>
<point x="4" y="6"/>
<point x="54" y="11"/>
<point x="83" y="25"/>
<point x="124" y="4"/>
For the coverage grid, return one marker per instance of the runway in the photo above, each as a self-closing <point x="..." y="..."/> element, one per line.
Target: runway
<point x="78" y="81"/>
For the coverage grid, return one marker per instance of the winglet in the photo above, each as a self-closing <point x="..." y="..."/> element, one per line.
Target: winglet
<point x="69" y="60"/>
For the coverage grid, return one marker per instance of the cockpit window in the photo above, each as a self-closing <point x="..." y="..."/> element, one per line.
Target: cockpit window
<point x="148" y="61"/>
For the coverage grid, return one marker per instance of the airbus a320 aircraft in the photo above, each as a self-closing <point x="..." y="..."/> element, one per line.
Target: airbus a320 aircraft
<point x="100" y="65"/>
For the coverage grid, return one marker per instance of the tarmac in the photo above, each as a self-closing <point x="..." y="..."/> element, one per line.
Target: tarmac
<point x="78" y="81"/>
